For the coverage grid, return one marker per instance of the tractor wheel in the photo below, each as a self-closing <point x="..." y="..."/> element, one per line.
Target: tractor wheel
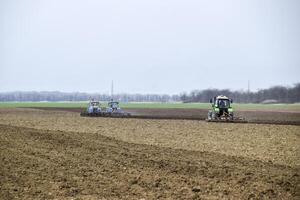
<point x="213" y="116"/>
<point x="209" y="115"/>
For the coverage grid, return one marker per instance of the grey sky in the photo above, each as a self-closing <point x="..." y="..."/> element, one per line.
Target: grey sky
<point x="155" y="46"/>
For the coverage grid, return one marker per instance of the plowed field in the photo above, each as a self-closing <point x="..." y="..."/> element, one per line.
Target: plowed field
<point x="60" y="155"/>
<point x="251" y="116"/>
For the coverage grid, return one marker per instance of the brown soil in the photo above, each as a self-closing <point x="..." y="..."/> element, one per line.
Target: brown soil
<point x="60" y="155"/>
<point x="52" y="164"/>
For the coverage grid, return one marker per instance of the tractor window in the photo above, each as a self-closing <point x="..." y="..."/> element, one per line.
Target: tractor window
<point x="95" y="103"/>
<point x="113" y="104"/>
<point x="223" y="103"/>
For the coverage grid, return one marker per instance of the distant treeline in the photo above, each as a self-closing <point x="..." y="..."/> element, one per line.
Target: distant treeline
<point x="79" y="96"/>
<point x="277" y="94"/>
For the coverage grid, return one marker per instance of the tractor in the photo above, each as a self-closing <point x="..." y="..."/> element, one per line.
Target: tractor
<point x="221" y="109"/>
<point x="93" y="109"/>
<point x="114" y="109"/>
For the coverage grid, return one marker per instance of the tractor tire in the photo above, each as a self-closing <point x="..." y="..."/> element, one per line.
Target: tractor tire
<point x="209" y="115"/>
<point x="213" y="116"/>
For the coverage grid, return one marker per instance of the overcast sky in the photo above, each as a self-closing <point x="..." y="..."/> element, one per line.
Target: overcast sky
<point x="154" y="46"/>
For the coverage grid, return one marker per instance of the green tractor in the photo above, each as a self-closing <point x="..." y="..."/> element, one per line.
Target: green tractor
<point x="221" y="109"/>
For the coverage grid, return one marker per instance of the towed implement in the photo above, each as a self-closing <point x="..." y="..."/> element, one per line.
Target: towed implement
<point x="222" y="110"/>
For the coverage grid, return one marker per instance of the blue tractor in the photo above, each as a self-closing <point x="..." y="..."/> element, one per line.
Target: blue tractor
<point x="93" y="109"/>
<point x="114" y="109"/>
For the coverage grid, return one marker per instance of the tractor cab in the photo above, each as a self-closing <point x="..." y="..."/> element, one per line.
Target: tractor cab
<point x="222" y="103"/>
<point x="114" y="108"/>
<point x="95" y="103"/>
<point x="114" y="105"/>
<point x="94" y="107"/>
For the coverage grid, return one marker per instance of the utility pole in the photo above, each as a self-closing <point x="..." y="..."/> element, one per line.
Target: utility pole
<point x="248" y="87"/>
<point x="112" y="90"/>
<point x="248" y="92"/>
